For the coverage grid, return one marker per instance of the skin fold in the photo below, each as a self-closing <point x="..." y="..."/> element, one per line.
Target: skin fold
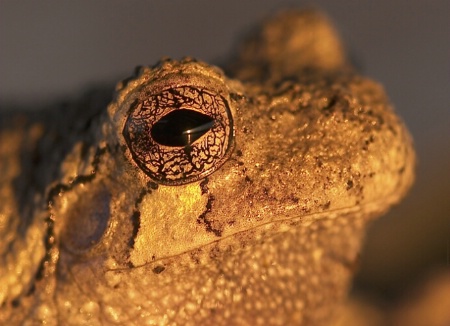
<point x="258" y="221"/>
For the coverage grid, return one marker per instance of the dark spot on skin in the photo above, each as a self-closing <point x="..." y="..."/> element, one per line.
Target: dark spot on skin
<point x="401" y="170"/>
<point x="247" y="179"/>
<point x="240" y="163"/>
<point x="239" y="153"/>
<point x="214" y="253"/>
<point x="152" y="185"/>
<point x="319" y="163"/>
<point x="295" y="200"/>
<point x="141" y="196"/>
<point x="195" y="256"/>
<point x="158" y="269"/>
<point x="136" y="216"/>
<point x="236" y="97"/>
<point x="98" y="154"/>
<point x="327" y="205"/>
<point x="306" y="209"/>
<point x="15" y="303"/>
<point x="203" y="220"/>
<point x="136" y="221"/>
<point x="83" y="179"/>
<point x="49" y="241"/>
<point x="328" y="110"/>
<point x="369" y="141"/>
<point x="392" y="129"/>
<point x="349" y="184"/>
<point x="204" y="186"/>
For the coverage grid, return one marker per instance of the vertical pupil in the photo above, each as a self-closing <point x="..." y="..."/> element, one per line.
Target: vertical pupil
<point x="181" y="128"/>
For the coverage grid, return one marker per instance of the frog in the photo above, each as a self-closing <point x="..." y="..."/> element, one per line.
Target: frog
<point x="199" y="195"/>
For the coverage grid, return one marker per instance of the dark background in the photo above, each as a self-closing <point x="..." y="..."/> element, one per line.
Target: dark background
<point x="55" y="50"/>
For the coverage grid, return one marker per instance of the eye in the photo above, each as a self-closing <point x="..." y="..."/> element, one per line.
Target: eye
<point x="179" y="135"/>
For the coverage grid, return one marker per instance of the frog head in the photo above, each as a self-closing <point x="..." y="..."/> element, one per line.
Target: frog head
<point x="239" y="198"/>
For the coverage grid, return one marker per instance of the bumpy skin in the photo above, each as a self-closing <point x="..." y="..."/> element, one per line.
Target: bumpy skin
<point x="269" y="237"/>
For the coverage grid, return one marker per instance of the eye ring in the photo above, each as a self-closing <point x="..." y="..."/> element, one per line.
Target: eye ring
<point x="180" y="134"/>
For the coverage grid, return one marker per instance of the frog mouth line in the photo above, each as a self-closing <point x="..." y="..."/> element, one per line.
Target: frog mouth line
<point x="286" y="224"/>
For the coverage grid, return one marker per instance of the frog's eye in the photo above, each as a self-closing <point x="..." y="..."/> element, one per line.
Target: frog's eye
<point x="179" y="135"/>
